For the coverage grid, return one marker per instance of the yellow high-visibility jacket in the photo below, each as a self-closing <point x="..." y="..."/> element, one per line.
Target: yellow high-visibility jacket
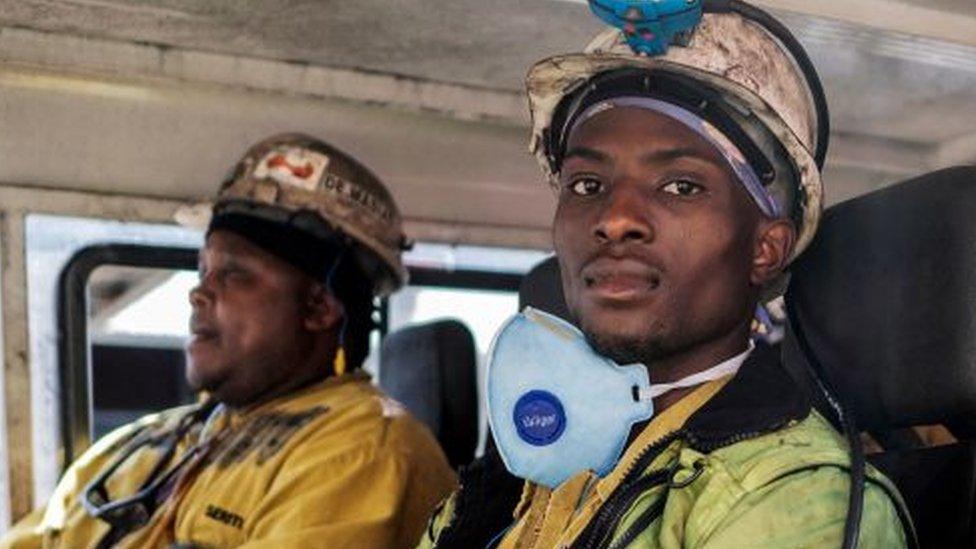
<point x="336" y="464"/>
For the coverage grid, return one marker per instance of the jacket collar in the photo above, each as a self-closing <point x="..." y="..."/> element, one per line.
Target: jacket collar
<point x="762" y="397"/>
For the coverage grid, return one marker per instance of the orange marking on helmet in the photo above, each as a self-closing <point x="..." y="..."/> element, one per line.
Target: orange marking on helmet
<point x="301" y="172"/>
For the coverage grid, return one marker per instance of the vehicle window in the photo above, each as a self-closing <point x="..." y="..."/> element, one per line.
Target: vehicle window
<point x="121" y="300"/>
<point x="137" y="323"/>
<point x="482" y="311"/>
<point x="51" y="244"/>
<point x="476" y="285"/>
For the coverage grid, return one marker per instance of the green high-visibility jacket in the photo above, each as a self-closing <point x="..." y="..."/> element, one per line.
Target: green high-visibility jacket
<point x="753" y="466"/>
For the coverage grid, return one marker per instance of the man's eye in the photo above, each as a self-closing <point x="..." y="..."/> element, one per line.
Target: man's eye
<point x="222" y="274"/>
<point x="682" y="187"/>
<point x="586" y="186"/>
<point x="235" y="272"/>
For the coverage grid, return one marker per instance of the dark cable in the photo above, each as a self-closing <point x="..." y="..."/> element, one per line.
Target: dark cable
<point x="852" y="525"/>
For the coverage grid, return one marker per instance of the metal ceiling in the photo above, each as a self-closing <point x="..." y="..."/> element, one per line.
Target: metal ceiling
<point x="901" y="103"/>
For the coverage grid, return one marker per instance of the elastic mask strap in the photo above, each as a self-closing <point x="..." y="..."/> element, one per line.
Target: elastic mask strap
<point x="727" y="368"/>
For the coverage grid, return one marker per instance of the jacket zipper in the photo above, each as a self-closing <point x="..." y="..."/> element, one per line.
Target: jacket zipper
<point x="643" y="521"/>
<point x="596" y="534"/>
<point x="600" y="533"/>
<point x="709" y="446"/>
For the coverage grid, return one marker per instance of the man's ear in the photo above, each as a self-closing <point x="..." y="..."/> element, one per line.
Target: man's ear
<point x="323" y="311"/>
<point x="774" y="245"/>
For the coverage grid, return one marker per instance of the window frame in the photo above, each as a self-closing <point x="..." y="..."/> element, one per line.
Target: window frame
<point x="74" y="346"/>
<point x="463" y="279"/>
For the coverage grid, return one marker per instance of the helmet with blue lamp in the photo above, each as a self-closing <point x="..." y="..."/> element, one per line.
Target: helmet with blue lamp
<point x="650" y="26"/>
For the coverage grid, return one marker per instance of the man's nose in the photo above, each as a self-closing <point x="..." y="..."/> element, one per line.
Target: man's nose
<point x="201" y="295"/>
<point x="625" y="217"/>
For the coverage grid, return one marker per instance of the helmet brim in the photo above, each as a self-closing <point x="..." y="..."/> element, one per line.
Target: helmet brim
<point x="390" y="274"/>
<point x="551" y="80"/>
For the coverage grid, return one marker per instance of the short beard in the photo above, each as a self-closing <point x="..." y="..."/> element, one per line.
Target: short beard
<point x="628" y="350"/>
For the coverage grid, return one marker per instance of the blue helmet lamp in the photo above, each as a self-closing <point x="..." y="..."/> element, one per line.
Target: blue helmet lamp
<point x="650" y="26"/>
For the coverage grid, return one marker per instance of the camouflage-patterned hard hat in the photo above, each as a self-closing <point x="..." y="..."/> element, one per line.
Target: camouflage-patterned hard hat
<point x="299" y="180"/>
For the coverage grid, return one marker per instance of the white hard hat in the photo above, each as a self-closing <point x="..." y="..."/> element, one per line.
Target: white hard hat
<point x="736" y="61"/>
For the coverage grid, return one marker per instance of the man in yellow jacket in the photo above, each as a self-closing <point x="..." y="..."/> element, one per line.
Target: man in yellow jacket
<point x="293" y="446"/>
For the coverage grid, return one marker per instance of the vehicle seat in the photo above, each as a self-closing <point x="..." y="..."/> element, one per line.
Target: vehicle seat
<point x="432" y="369"/>
<point x="886" y="297"/>
<point x="542" y="288"/>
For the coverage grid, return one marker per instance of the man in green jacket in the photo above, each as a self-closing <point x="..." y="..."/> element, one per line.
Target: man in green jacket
<point x="687" y="182"/>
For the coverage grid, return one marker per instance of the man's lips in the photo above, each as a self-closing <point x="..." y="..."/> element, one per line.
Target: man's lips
<point x="620" y="279"/>
<point x="202" y="333"/>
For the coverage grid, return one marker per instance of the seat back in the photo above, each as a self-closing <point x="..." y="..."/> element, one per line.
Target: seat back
<point x="886" y="298"/>
<point x="432" y="369"/>
<point x="542" y="289"/>
<point x="939" y="486"/>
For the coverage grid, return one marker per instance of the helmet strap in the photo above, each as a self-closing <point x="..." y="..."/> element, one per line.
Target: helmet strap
<point x="339" y="364"/>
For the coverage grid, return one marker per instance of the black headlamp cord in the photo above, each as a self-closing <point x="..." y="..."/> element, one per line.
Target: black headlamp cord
<point x="855" y="510"/>
<point x="131" y="513"/>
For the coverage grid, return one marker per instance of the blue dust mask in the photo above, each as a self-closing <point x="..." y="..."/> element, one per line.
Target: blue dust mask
<point x="557" y="408"/>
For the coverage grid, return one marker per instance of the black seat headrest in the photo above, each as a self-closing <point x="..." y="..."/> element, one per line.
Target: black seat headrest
<point x="432" y="369"/>
<point x="886" y="296"/>
<point x="542" y="288"/>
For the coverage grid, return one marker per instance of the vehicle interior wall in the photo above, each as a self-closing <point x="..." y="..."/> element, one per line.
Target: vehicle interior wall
<point x="114" y="81"/>
<point x="126" y="110"/>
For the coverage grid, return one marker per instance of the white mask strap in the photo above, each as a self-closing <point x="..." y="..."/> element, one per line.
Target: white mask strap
<point x="727" y="368"/>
